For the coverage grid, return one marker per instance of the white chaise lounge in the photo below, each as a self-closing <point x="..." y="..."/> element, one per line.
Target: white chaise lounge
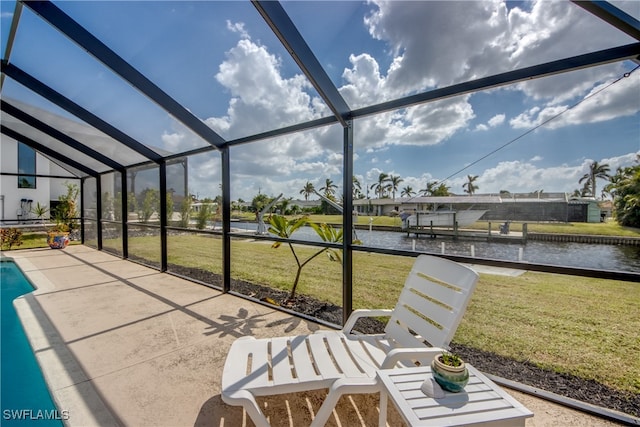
<point x="422" y="324"/>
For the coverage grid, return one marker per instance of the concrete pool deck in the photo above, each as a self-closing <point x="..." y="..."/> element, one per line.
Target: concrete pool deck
<point x="123" y="344"/>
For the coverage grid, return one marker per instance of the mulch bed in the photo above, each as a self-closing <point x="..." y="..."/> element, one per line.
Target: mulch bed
<point x="525" y="372"/>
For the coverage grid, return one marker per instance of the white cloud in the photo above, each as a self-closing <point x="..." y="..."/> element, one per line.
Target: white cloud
<point x="238" y="27"/>
<point x="524" y="177"/>
<point x="483" y="38"/>
<point x="494" y="121"/>
<point x="602" y="103"/>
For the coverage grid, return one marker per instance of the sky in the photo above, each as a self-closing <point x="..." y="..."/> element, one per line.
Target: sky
<point x="222" y="62"/>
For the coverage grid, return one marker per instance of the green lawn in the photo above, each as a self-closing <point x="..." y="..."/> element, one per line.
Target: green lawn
<point x="608" y="228"/>
<point x="581" y="326"/>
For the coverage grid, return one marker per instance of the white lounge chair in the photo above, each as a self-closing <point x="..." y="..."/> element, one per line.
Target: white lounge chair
<point x="421" y="325"/>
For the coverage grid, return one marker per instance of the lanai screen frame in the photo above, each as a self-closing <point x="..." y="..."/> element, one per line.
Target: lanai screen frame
<point x="279" y="22"/>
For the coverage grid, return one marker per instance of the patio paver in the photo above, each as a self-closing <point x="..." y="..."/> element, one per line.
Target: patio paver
<point x="122" y="344"/>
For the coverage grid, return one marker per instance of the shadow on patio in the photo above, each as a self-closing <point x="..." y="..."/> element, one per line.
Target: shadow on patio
<point x="122" y="344"/>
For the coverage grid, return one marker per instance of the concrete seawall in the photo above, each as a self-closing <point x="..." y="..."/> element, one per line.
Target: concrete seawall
<point x="585" y="238"/>
<point x="544" y="237"/>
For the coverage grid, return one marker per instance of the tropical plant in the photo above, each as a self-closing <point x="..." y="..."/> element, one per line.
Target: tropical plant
<point x="429" y="189"/>
<point x="65" y="213"/>
<point x="394" y="182"/>
<point x="260" y="201"/>
<point x="450" y="359"/>
<point x="169" y="198"/>
<point x="185" y="212"/>
<point x="407" y="191"/>
<point x="107" y="205"/>
<point x="281" y="227"/>
<point x="595" y="171"/>
<point x="469" y="186"/>
<point x="357" y="189"/>
<point x="205" y="212"/>
<point x="329" y="189"/>
<point x="381" y="186"/>
<point x="150" y="203"/>
<point x="307" y="190"/>
<point x="283" y="206"/>
<point x="132" y="203"/>
<point x="10" y="237"/>
<point x="40" y="211"/>
<point x="440" y="191"/>
<point x="117" y="206"/>
<point x="625" y="189"/>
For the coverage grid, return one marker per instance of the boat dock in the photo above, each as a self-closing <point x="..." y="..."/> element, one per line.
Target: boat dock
<point x="502" y="234"/>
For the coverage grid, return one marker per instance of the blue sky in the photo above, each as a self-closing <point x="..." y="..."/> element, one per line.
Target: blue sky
<point x="222" y="62"/>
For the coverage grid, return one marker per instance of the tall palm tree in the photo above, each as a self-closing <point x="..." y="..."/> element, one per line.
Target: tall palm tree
<point x="357" y="189"/>
<point x="595" y="171"/>
<point x="307" y="190"/>
<point x="381" y="186"/>
<point x="329" y="188"/>
<point x="469" y="186"/>
<point x="407" y="191"/>
<point x="394" y="182"/>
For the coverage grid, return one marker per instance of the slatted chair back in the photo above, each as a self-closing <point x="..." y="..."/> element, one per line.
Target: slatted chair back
<point x="431" y="304"/>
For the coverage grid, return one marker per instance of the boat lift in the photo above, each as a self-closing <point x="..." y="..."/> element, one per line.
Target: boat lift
<point x="262" y="227"/>
<point x="354" y="236"/>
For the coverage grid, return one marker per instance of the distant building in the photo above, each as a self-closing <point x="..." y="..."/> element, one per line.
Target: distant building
<point x="533" y="207"/>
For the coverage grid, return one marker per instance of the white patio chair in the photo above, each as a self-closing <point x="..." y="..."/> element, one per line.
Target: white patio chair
<point x="421" y="325"/>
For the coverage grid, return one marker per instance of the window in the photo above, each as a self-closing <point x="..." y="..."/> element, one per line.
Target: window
<point x="26" y="166"/>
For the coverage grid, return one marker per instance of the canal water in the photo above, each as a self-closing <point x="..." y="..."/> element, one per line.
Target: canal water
<point x="601" y="257"/>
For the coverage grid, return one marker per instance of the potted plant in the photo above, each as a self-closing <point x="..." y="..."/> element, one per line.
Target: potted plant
<point x="58" y="236"/>
<point x="64" y="215"/>
<point x="450" y="371"/>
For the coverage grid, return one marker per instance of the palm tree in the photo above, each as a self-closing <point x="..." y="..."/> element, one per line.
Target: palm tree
<point x="595" y="171"/>
<point x="394" y="182"/>
<point x="428" y="191"/>
<point x="381" y="186"/>
<point x="469" y="186"/>
<point x="407" y="191"/>
<point x="357" y="189"/>
<point x="441" y="190"/>
<point x="307" y="190"/>
<point x="329" y="188"/>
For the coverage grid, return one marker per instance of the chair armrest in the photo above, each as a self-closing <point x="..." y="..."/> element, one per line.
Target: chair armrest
<point x="357" y="314"/>
<point x="398" y="354"/>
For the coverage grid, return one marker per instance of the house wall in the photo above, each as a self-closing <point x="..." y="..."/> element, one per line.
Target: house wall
<point x="526" y="211"/>
<point x="12" y="209"/>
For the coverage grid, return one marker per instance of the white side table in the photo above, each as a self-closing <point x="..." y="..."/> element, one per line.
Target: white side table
<point x="481" y="402"/>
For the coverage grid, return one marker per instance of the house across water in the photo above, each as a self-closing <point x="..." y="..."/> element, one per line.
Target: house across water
<point x="533" y="207"/>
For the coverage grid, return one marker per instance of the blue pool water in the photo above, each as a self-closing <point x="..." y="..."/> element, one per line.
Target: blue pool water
<point x="24" y="398"/>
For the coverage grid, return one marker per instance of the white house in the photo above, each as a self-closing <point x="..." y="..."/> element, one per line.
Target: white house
<point x="27" y="178"/>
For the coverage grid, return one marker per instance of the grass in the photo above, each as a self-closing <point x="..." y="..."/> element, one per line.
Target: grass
<point x="581" y="326"/>
<point x="35" y="240"/>
<point x="608" y="228"/>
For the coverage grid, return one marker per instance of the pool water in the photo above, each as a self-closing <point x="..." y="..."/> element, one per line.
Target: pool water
<point x="24" y="397"/>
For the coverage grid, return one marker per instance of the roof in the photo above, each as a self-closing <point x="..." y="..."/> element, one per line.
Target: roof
<point x="455" y="199"/>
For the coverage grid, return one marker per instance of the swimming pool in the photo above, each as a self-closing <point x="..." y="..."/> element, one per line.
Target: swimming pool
<point x="25" y="398"/>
